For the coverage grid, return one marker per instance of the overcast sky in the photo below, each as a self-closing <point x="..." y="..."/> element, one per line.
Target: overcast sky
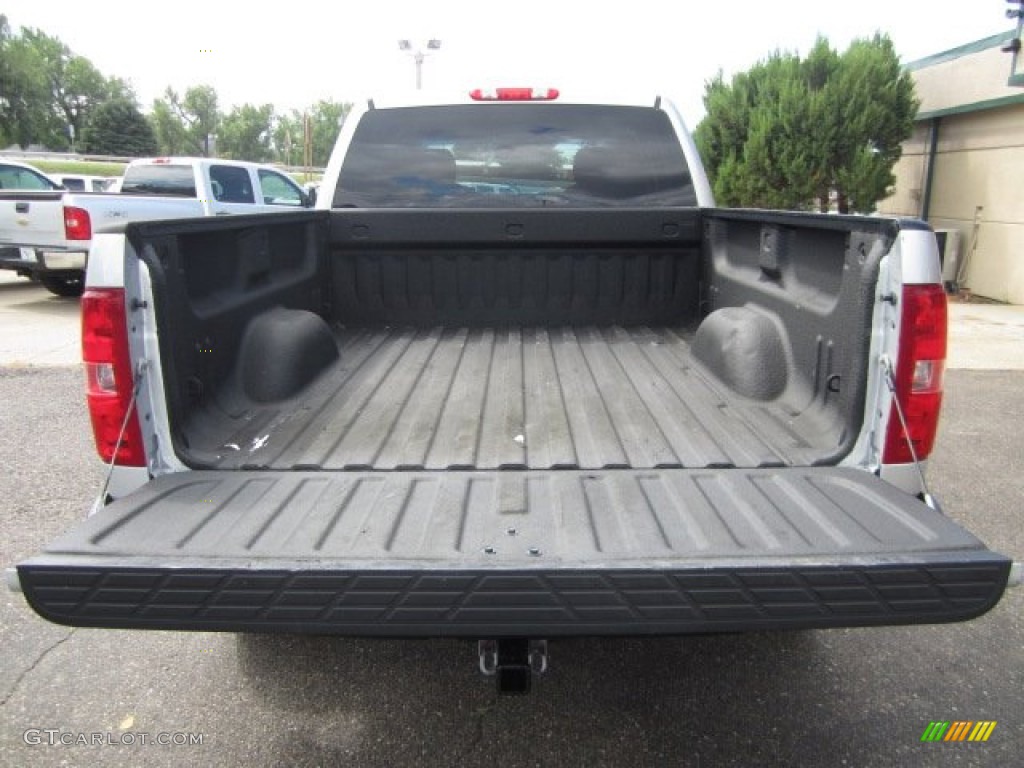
<point x="291" y="54"/>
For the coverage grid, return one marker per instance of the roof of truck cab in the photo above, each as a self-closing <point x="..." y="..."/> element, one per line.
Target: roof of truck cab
<point x="178" y="160"/>
<point x="400" y="99"/>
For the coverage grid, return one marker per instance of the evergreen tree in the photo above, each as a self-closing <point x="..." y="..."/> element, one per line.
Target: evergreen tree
<point x="118" y="128"/>
<point x="877" y="107"/>
<point x="793" y="132"/>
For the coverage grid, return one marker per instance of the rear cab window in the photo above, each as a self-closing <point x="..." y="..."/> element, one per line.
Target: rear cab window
<point x="514" y="155"/>
<point x="159" y="179"/>
<point x="231" y="184"/>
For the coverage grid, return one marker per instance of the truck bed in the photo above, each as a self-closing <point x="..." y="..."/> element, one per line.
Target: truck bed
<point x="507" y="424"/>
<point x="509" y="398"/>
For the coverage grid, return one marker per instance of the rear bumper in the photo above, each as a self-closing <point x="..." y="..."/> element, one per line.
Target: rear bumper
<point x="12" y="258"/>
<point x="42" y="261"/>
<point x="57" y="261"/>
<point x="548" y="603"/>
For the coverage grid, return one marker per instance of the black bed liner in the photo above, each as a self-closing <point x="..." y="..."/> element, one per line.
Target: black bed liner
<point x="513" y="339"/>
<point x="512" y="398"/>
<point x="512" y="553"/>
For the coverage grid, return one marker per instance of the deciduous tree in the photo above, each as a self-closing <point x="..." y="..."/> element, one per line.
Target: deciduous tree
<point x="324" y="120"/>
<point x="245" y="133"/>
<point x="75" y="85"/>
<point x="186" y="124"/>
<point x="26" y="110"/>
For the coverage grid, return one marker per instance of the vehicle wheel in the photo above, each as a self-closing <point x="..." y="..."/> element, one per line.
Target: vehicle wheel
<point x="71" y="287"/>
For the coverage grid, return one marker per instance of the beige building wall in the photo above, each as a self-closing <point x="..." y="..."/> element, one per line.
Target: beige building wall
<point x="952" y="80"/>
<point x="978" y="174"/>
<point x="910" y="173"/>
<point x="977" y="190"/>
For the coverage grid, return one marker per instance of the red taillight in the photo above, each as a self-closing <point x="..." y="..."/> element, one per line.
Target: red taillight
<point x="109" y="383"/>
<point x="514" y="94"/>
<point x="77" y="225"/>
<point x="919" y="373"/>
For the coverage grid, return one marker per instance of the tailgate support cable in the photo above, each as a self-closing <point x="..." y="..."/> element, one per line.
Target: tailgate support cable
<point x="136" y="388"/>
<point x="890" y="382"/>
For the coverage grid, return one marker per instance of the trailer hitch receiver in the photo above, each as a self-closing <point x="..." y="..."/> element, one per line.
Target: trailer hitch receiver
<point x="513" y="662"/>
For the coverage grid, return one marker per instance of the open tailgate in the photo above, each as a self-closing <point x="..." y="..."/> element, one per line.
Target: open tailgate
<point x="512" y="553"/>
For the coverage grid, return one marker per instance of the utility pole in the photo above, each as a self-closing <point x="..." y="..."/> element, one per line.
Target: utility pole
<point x="307" y="144"/>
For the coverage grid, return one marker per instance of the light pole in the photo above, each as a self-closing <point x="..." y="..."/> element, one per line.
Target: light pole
<point x="418" y="55"/>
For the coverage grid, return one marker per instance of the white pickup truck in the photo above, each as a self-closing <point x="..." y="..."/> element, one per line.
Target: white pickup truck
<point x="47" y="232"/>
<point x="517" y="378"/>
<point x="78" y="182"/>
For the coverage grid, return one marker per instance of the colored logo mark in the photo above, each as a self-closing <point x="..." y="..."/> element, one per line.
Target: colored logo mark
<point x="958" y="730"/>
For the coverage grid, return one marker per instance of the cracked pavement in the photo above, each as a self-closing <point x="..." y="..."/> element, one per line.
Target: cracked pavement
<point x="21" y="675"/>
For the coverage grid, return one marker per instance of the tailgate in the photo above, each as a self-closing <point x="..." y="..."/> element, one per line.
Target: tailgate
<point x="32" y="219"/>
<point x="510" y="553"/>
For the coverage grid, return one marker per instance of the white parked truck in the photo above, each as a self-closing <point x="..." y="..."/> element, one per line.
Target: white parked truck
<point x="516" y="378"/>
<point x="77" y="182"/>
<point x="54" y="227"/>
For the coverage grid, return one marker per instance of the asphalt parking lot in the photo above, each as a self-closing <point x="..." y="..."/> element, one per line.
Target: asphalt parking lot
<point x="842" y="697"/>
